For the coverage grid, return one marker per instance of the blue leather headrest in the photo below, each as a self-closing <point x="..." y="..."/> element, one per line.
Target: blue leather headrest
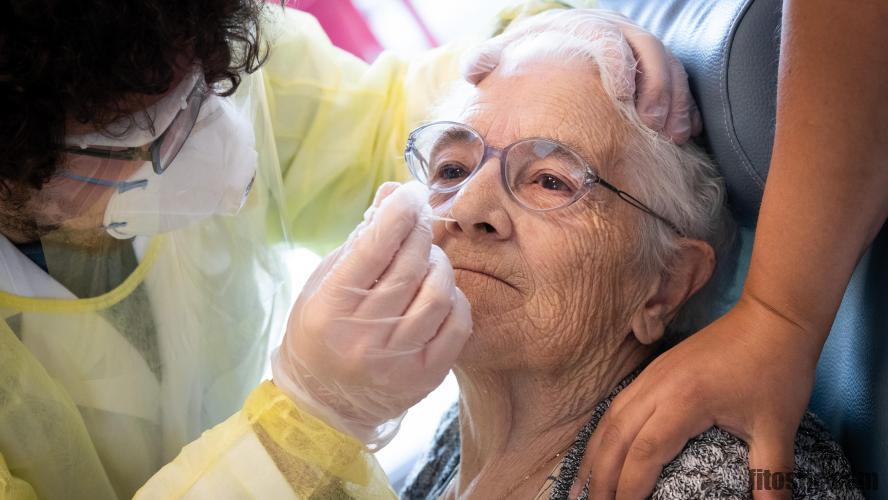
<point x="730" y="49"/>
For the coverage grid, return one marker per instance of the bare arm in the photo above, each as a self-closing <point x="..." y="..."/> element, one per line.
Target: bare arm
<point x="827" y="192"/>
<point x="751" y="372"/>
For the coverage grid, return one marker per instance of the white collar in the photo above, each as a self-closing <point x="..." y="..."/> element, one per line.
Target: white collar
<point x="20" y="276"/>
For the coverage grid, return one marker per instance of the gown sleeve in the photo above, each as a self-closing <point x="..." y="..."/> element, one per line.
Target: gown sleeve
<point x="12" y="487"/>
<point x="271" y="449"/>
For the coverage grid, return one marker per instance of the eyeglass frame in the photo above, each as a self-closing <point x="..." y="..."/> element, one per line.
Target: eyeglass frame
<point x="591" y="176"/>
<point x="200" y="91"/>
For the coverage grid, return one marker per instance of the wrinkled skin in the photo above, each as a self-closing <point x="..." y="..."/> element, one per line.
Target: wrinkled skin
<point x="526" y="272"/>
<point x="554" y="294"/>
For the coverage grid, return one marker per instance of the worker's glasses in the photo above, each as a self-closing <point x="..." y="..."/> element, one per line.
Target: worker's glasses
<point x="539" y="174"/>
<point x="162" y="151"/>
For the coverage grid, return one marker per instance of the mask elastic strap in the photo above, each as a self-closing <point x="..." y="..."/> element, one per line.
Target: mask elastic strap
<point x="121" y="186"/>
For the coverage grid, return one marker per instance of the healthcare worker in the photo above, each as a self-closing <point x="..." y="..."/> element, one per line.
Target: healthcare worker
<point x="151" y="175"/>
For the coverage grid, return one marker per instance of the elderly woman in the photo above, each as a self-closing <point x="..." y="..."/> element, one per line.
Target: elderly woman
<point x="581" y="239"/>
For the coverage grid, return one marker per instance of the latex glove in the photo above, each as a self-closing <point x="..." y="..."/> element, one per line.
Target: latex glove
<point x="663" y="97"/>
<point x="379" y="323"/>
<point x="751" y="373"/>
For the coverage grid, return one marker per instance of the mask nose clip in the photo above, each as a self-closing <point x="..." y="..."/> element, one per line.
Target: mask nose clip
<point x="123" y="187"/>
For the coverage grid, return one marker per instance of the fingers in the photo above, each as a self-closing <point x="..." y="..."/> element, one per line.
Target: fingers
<point x="444" y="348"/>
<point x="382" y="192"/>
<point x="609" y="445"/>
<point x="678" y="123"/>
<point x="397" y="287"/>
<point x="696" y="119"/>
<point x="664" y="101"/>
<point x="771" y="458"/>
<point x="654" y="78"/>
<point x="372" y="248"/>
<point x="479" y="62"/>
<point x="317" y="276"/>
<point x="652" y="449"/>
<point x="429" y="308"/>
<point x="351" y="351"/>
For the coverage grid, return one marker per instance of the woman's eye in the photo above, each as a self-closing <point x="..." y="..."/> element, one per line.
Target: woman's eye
<point x="450" y="171"/>
<point x="549" y="181"/>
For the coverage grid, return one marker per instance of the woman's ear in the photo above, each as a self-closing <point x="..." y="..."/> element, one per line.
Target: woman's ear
<point x="689" y="270"/>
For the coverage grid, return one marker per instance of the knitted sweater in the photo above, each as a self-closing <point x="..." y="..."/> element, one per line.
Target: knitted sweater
<point x="714" y="465"/>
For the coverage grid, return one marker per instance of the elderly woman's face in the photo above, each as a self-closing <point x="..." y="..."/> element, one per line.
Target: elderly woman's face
<point x="544" y="286"/>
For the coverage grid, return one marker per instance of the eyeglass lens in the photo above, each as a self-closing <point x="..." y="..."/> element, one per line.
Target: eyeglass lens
<point x="177" y="133"/>
<point x="540" y="174"/>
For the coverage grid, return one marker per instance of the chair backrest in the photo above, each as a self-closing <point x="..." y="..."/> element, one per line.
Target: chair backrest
<point x="730" y="49"/>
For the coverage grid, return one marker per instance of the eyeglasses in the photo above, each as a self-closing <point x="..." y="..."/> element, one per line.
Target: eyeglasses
<point x="162" y="151"/>
<point x="540" y="174"/>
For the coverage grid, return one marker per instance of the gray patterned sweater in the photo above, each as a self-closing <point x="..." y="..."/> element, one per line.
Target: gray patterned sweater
<point x="714" y="465"/>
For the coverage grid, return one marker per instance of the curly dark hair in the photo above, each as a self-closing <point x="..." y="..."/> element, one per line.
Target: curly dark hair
<point x="63" y="60"/>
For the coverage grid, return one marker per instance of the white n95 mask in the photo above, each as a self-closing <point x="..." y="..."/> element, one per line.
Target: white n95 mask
<point x="211" y="175"/>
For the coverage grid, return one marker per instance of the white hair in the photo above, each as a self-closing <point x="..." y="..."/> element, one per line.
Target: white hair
<point x="679" y="183"/>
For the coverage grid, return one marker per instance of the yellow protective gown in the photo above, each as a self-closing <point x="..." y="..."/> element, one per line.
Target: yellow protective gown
<point x="97" y="393"/>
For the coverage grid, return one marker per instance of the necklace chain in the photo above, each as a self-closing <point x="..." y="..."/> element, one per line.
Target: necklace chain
<point x="450" y="483"/>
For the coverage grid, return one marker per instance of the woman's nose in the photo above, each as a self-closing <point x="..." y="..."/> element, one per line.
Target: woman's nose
<point x="478" y="208"/>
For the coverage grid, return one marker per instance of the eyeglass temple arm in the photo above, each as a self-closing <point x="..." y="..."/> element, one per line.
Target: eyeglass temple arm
<point x="628" y="198"/>
<point x="123" y="154"/>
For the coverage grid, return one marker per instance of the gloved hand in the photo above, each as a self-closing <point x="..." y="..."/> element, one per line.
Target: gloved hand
<point x="664" y="99"/>
<point x="379" y="323"/>
<point x="750" y="373"/>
